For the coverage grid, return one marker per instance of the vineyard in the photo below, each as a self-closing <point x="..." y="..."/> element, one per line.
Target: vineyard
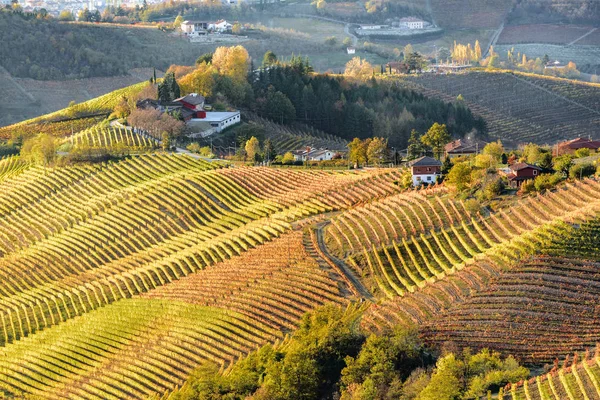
<point x="577" y="378"/>
<point x="141" y="249"/>
<point x="110" y="137"/>
<point x="289" y="138"/>
<point x="403" y="247"/>
<point x="521" y="108"/>
<point x="542" y="33"/>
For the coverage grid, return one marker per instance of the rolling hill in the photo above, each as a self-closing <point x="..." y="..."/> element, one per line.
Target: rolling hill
<point x="121" y="278"/>
<point x="520" y="108"/>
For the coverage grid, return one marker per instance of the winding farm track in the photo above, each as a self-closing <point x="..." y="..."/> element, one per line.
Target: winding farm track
<point x="341" y="266"/>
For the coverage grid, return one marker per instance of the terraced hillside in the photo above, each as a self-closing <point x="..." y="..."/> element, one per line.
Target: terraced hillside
<point x="289" y="138"/>
<point x="111" y="233"/>
<point x="401" y="249"/>
<point x="469" y="280"/>
<point x="97" y="136"/>
<point x="521" y="108"/>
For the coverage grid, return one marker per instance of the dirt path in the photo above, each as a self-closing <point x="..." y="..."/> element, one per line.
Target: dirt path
<point x="342" y="266"/>
<point x="12" y="80"/>
<point x="582" y="36"/>
<point x="494" y="39"/>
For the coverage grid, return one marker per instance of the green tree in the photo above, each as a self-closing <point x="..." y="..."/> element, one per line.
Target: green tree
<point x="415" y="62"/>
<point x="84" y="15"/>
<point x="579" y="153"/>
<point x="252" y="148"/>
<point x="66" y="15"/>
<point x="279" y="107"/>
<point x="168" y="89"/>
<point x="377" y="151"/>
<point x="269" y="59"/>
<point x="446" y="166"/>
<point x="445" y="383"/>
<point x="415" y="147"/>
<point x="545" y="160"/>
<point x="383" y="362"/>
<point x="205" y="58"/>
<point x="460" y="176"/>
<point x="408" y="50"/>
<point x="494" y="61"/>
<point x="494" y="149"/>
<point x="436" y="138"/>
<point x="39" y="150"/>
<point x="532" y="153"/>
<point x="582" y="170"/>
<point x="269" y="150"/>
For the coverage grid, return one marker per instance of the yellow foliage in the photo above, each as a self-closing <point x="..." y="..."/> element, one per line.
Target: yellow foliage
<point x="232" y="61"/>
<point x="202" y="80"/>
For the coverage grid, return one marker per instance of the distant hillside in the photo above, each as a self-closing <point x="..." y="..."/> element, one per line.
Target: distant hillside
<point x="520" y="107"/>
<point x="470" y="13"/>
<point x="573" y="11"/>
<point x="48" y="50"/>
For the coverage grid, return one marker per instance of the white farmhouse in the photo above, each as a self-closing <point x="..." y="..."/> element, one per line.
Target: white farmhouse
<point x="412" y="23"/>
<point x="425" y="170"/>
<point x="220" y="26"/>
<point x="312" y="154"/>
<point x="193" y="27"/>
<point x="351" y="50"/>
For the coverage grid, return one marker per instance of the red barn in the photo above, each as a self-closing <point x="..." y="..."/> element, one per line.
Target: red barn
<point x="520" y="172"/>
<point x="192" y="101"/>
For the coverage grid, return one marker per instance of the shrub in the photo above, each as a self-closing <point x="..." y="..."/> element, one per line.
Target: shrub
<point x="583" y="170"/>
<point x="527" y="187"/>
<point x="547" y="181"/>
<point x="582" y="153"/>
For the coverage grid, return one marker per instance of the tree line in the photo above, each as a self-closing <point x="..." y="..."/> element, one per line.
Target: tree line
<point x="327" y="359"/>
<point x="354" y="109"/>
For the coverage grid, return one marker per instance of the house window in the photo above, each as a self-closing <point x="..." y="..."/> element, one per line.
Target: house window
<point x="535" y="172"/>
<point x="428" y="178"/>
<point x="418" y="179"/>
<point x="428" y="169"/>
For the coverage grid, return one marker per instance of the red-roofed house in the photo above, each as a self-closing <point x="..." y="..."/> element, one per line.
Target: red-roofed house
<point x="571" y="146"/>
<point x="425" y="170"/>
<point x="520" y="172"/>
